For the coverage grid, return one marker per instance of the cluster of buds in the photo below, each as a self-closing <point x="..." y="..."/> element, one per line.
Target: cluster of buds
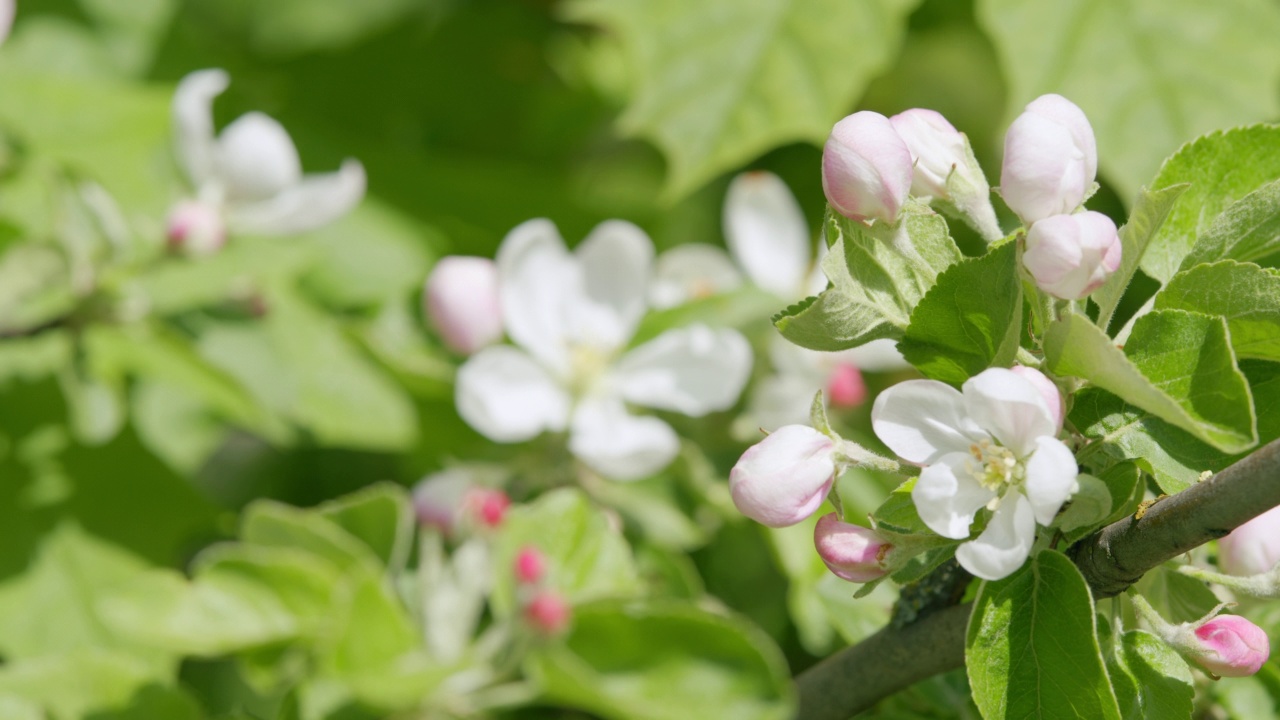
<point x="1224" y="645"/>
<point x="451" y="503"/>
<point x="544" y="610"/>
<point x="461" y="299"/>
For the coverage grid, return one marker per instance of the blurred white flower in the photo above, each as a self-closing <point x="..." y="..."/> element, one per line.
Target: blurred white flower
<point x="7" y="8"/>
<point x="248" y="179"/>
<point x="572" y="316"/>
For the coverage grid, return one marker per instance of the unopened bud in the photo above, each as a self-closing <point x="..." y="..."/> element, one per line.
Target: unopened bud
<point x="1070" y="256"/>
<point x="852" y="552"/>
<point x="784" y="478"/>
<point x="1050" y="159"/>
<point x="449" y="500"/>
<point x="1225" y="645"/>
<point x="195" y="228"/>
<point x="946" y="169"/>
<point x="845" y="386"/>
<point x="488" y="506"/>
<point x="1254" y="547"/>
<point x="866" y="168"/>
<point x="462" y="301"/>
<point x="1050" y="392"/>
<point x="548" y="613"/>
<point x="530" y="566"/>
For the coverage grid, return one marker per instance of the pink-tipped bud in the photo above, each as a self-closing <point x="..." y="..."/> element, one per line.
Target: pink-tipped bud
<point x="852" y="552"/>
<point x="866" y="168"/>
<point x="461" y="299"/>
<point x="937" y="150"/>
<point x="548" y="613"/>
<point x="1254" y="547"/>
<point x="845" y="386"/>
<point x="1050" y="159"/>
<point x="195" y="228"/>
<point x="450" y="502"/>
<point x="530" y="566"/>
<point x="1070" y="256"/>
<point x="488" y="506"/>
<point x="1227" y="645"/>
<point x="784" y="478"/>
<point x="1050" y="392"/>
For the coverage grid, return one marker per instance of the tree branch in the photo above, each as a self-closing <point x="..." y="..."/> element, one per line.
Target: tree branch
<point x="1111" y="560"/>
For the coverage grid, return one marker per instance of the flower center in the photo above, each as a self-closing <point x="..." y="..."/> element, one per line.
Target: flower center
<point x="995" y="467"/>
<point x="587" y="365"/>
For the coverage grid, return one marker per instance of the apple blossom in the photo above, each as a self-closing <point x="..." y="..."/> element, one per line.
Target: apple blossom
<point x="196" y="228"/>
<point x="1050" y="159"/>
<point x="461" y="298"/>
<point x="866" y="168"/>
<point x="1254" y="547"/>
<point x="548" y="613"/>
<point x="450" y="501"/>
<point x="571" y="316"/>
<point x="1050" y="392"/>
<point x="992" y="444"/>
<point x="852" y="552"/>
<point x="1070" y="256"/>
<point x="784" y="478"/>
<point x="1224" y="645"/>
<point x="945" y="168"/>
<point x="530" y="566"/>
<point x="250" y="176"/>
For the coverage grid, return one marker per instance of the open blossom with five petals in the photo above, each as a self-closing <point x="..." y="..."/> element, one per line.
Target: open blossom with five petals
<point x="248" y="178"/>
<point x="990" y="445"/>
<point x="572" y="315"/>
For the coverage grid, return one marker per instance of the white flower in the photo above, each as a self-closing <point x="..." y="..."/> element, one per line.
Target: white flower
<point x="990" y="445"/>
<point x="7" y="8"/>
<point x="461" y="298"/>
<point x="1070" y="256"/>
<point x="866" y="168"/>
<point x="249" y="176"/>
<point x="1050" y="159"/>
<point x="572" y="315"/>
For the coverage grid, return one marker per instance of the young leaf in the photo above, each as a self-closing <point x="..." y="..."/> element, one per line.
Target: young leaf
<point x="1148" y="214"/>
<point x="1032" y="646"/>
<point x="1248" y="229"/>
<point x="1179" y="367"/>
<point x="1248" y="296"/>
<point x="1160" y="684"/>
<point x="971" y="319"/>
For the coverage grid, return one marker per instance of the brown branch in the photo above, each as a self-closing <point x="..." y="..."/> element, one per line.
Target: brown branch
<point x="1111" y="560"/>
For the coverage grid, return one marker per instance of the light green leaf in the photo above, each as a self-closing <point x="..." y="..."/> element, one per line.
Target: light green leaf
<point x="274" y="524"/>
<point x="718" y="82"/>
<point x="31" y="358"/>
<point x="971" y="320"/>
<point x="1032" y="647"/>
<point x="1161" y="682"/>
<point x="1150" y="74"/>
<point x="35" y="287"/>
<point x="1145" y="219"/>
<point x="1249" y="229"/>
<point x="96" y="683"/>
<point x="664" y="660"/>
<point x="381" y="515"/>
<point x="1179" y="367"/>
<point x="370" y="256"/>
<point x="1246" y="295"/>
<point x="738" y="309"/>
<point x="832" y="321"/>
<point x="1222" y="167"/>
<point x="1176" y="597"/>
<point x="897" y="514"/>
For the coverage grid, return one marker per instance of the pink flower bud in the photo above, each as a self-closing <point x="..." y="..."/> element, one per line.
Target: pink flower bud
<point x="1070" y="256"/>
<point x="488" y="506"/>
<point x="866" y="168"/>
<point x="195" y="228"/>
<point x="462" y="301"/>
<point x="845" y="386"/>
<point x="530" y="565"/>
<point x="784" y="478"/>
<point x="548" y="613"/>
<point x="1050" y="159"/>
<point x="1254" y="547"/>
<point x="853" y="553"/>
<point x="937" y="149"/>
<point x="1052" y="396"/>
<point x="1227" y="645"/>
<point x="449" y="500"/>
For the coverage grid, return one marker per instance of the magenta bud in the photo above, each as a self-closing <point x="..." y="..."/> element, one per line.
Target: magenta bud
<point x="530" y="565"/>
<point x="1050" y="392"/>
<point x="450" y="502"/>
<point x="1070" y="256"/>
<point x="462" y="301"/>
<point x="784" y="478"/>
<point x="866" y="168"/>
<point x="852" y="552"/>
<point x="1050" y="159"/>
<point x="548" y="613"/>
<point x="845" y="386"/>
<point x="1227" y="646"/>
<point x="1253" y="548"/>
<point x="195" y="228"/>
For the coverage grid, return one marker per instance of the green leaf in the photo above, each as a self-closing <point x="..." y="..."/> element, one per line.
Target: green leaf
<point x="898" y="512"/>
<point x="1032" y="647"/>
<point x="1246" y="295"/>
<point x="30" y="358"/>
<point x="370" y="256"/>
<point x="35" y="288"/>
<point x="1176" y="597"/>
<point x="716" y="83"/>
<point x="1161" y="684"/>
<point x="95" y="684"/>
<point x="832" y="321"/>
<point x="1150" y="74"/>
<point x="1249" y="229"/>
<point x="1148" y="214"/>
<point x="1222" y="167"/>
<point x="971" y="320"/>
<point x="660" y="660"/>
<point x="1179" y="367"/>
<point x="381" y="515"/>
<point x="274" y="524"/>
<point x="737" y="308"/>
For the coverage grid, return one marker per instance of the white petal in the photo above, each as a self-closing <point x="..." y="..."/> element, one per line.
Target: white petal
<point x="1010" y="407"/>
<point x="315" y="201"/>
<point x="947" y="496"/>
<point x="619" y="445"/>
<point x="616" y="259"/>
<point x="693" y="370"/>
<point x="193" y="122"/>
<point x="538" y="279"/>
<point x="1004" y="546"/>
<point x="255" y="158"/>
<point x="767" y="233"/>
<point x="922" y="420"/>
<point x="690" y="272"/>
<point x="876" y="356"/>
<point x="1051" y="478"/>
<point x="507" y="397"/>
